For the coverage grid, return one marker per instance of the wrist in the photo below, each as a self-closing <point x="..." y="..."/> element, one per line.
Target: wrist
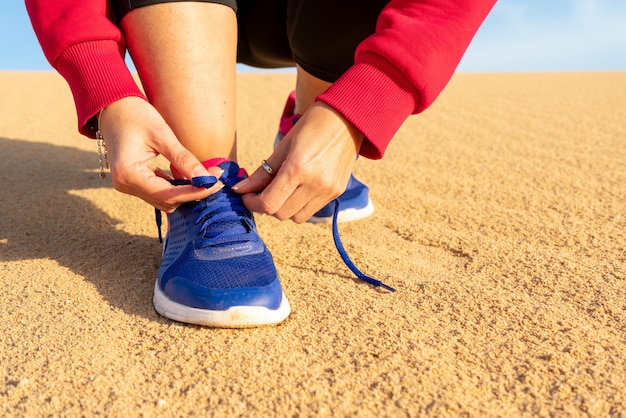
<point x="351" y="130"/>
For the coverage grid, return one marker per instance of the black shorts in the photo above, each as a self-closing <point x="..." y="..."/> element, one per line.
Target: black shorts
<point x="319" y="35"/>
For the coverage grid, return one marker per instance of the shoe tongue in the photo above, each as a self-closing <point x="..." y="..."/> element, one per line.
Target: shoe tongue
<point x="235" y="225"/>
<point x="233" y="174"/>
<point x="231" y="168"/>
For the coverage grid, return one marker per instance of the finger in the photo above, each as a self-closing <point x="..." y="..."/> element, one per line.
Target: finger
<point x="293" y="204"/>
<point x="274" y="196"/>
<point x="215" y="171"/>
<point x="160" y="193"/>
<point x="178" y="195"/>
<point x="181" y="158"/>
<point x="301" y="205"/>
<point x="162" y="173"/>
<point x="187" y="193"/>
<point x="256" y="182"/>
<point x="309" y="210"/>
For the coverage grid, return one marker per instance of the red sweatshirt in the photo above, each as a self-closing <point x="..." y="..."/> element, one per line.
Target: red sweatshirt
<point x="399" y="70"/>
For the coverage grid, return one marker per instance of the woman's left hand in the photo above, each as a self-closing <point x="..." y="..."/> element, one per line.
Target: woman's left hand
<point x="311" y="166"/>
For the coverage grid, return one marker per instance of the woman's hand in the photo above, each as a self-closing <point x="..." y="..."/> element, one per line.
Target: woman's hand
<point x="134" y="133"/>
<point x="311" y="165"/>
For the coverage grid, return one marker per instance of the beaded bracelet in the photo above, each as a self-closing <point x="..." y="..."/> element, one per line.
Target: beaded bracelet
<point x="103" y="158"/>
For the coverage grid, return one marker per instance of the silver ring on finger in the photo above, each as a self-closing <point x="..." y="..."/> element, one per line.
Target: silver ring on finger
<point x="269" y="170"/>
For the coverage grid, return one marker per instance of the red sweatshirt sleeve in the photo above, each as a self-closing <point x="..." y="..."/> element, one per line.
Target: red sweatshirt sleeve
<point x="401" y="69"/>
<point x="82" y="43"/>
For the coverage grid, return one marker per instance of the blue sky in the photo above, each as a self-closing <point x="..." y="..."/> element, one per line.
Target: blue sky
<point x="519" y="35"/>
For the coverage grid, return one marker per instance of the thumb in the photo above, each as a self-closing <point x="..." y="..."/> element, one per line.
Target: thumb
<point x="257" y="181"/>
<point x="184" y="163"/>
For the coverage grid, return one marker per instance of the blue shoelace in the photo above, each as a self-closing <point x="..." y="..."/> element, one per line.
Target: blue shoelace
<point x="212" y="215"/>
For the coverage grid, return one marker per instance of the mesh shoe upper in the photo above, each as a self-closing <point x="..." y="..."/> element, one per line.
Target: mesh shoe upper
<point x="213" y="257"/>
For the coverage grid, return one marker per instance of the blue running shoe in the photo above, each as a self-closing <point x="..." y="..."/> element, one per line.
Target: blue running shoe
<point x="216" y="270"/>
<point x="354" y="202"/>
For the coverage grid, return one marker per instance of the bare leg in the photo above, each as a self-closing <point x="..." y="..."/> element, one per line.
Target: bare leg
<point x="308" y="88"/>
<point x="185" y="54"/>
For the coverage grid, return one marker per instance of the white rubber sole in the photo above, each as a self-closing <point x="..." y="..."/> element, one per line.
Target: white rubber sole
<point x="346" y="215"/>
<point x="235" y="317"/>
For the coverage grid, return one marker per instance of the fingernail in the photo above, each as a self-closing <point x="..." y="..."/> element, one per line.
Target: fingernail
<point x="215" y="172"/>
<point x="240" y="184"/>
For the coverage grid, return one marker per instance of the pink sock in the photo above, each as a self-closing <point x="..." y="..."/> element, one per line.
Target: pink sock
<point x="288" y="118"/>
<point x="212" y="162"/>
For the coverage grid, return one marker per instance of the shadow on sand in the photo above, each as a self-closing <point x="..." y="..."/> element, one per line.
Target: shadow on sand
<point x="42" y="220"/>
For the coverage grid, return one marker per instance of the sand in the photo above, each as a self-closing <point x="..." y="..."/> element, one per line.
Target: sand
<point x="500" y="220"/>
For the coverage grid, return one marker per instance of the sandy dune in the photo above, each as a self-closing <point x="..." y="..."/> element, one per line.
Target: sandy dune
<point x="500" y="219"/>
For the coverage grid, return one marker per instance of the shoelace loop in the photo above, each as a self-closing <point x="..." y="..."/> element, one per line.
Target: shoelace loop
<point x="208" y="181"/>
<point x="201" y="181"/>
<point x="221" y="213"/>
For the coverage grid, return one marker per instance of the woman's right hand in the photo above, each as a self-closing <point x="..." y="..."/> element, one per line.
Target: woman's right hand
<point x="134" y="133"/>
